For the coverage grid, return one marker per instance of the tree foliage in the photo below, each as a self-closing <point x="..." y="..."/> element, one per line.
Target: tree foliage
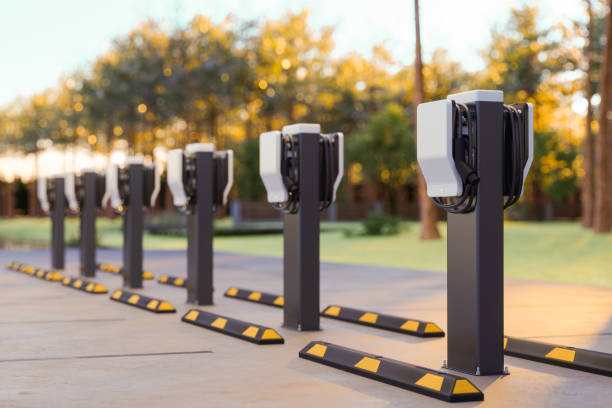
<point x="228" y="81"/>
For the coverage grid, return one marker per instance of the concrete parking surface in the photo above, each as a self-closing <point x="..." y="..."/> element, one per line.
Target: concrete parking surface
<point x="62" y="347"/>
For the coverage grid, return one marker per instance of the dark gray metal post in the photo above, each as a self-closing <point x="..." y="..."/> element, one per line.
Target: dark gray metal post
<point x="88" y="226"/>
<point x="475" y="260"/>
<point x="301" y="243"/>
<point x="200" y="234"/>
<point x="58" y="246"/>
<point x="133" y="225"/>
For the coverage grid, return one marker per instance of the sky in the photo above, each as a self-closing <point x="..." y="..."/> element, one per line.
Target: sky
<point x="42" y="39"/>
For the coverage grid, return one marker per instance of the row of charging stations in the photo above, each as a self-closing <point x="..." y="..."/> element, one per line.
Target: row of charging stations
<point x="475" y="153"/>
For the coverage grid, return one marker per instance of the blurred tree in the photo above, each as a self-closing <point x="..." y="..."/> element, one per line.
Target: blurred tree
<point x="528" y="63"/>
<point x="386" y="151"/>
<point x="593" y="32"/>
<point x="602" y="221"/>
<point x="427" y="210"/>
<point x="248" y="182"/>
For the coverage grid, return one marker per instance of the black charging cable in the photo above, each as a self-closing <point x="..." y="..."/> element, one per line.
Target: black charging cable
<point x="465" y="163"/>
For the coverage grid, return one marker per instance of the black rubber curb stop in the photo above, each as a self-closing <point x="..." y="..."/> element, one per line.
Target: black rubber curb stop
<point x="436" y="384"/>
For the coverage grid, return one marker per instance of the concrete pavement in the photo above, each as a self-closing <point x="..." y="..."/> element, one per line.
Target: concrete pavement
<point x="62" y="347"/>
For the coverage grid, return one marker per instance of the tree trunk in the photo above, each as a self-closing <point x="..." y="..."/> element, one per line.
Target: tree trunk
<point x="587" y="185"/>
<point x="427" y="210"/>
<point x="603" y="172"/>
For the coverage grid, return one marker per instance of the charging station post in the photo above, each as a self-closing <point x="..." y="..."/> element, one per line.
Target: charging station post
<point x="301" y="169"/>
<point x="200" y="180"/>
<point x="475" y="260"/>
<point x="301" y="238"/>
<point x="200" y="234"/>
<point x="133" y="228"/>
<point x="88" y="225"/>
<point x="58" y="214"/>
<point x="84" y="196"/>
<point x="131" y="189"/>
<point x="474" y="151"/>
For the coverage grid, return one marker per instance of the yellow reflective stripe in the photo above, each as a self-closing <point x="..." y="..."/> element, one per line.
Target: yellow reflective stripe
<point x="559" y="353"/>
<point x="464" y="387"/>
<point x="270" y="334"/>
<point x="163" y="279"/>
<point x="66" y="281"/>
<point x="255" y="296"/>
<point x="77" y="283"/>
<point x="152" y="304"/>
<point x="134" y="299"/>
<point x="431" y="381"/>
<point x="165" y="307"/>
<point x="410" y="325"/>
<point x="179" y="281"/>
<point x="89" y="287"/>
<point x="505" y="342"/>
<point x="117" y="294"/>
<point x="369" y="317"/>
<point x="192" y="315"/>
<point x="279" y="301"/>
<point x="251" y="331"/>
<point x="432" y="328"/>
<point x="317" y="350"/>
<point x="219" y="323"/>
<point x="332" y="311"/>
<point x="232" y="292"/>
<point x="100" y="288"/>
<point x="369" y="364"/>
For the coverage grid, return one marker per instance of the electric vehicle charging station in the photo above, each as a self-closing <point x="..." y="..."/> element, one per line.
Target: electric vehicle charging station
<point x="200" y="180"/>
<point x="301" y="170"/>
<point x="474" y="151"/>
<point x="53" y="202"/>
<point x="85" y="193"/>
<point x="131" y="189"/>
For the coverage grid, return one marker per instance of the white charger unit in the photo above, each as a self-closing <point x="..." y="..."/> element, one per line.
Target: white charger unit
<point x="270" y="166"/>
<point x="230" y="175"/>
<point x="41" y="192"/>
<point x="530" y="141"/>
<point x="175" y="177"/>
<point x="112" y="185"/>
<point x="340" y="163"/>
<point x="70" y="192"/>
<point x="435" y="149"/>
<point x="156" y="184"/>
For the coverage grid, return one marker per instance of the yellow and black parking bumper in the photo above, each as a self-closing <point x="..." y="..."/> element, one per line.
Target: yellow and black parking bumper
<point x="143" y="302"/>
<point x="569" y="357"/>
<point x="251" y="332"/>
<point x="85" y="286"/>
<point x="172" y="281"/>
<point x="115" y="270"/>
<point x="255" y="296"/>
<point x="436" y="384"/>
<point x="36" y="272"/>
<point x="383" y="321"/>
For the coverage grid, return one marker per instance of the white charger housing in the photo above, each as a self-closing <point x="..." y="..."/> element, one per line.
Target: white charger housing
<point x="175" y="177"/>
<point x="70" y="192"/>
<point x="435" y="149"/>
<point x="530" y="141"/>
<point x="340" y="164"/>
<point x="112" y="185"/>
<point x="41" y="192"/>
<point x="230" y="175"/>
<point x="270" y="166"/>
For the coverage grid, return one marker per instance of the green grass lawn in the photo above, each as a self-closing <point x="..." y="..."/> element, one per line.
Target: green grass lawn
<point x="556" y="251"/>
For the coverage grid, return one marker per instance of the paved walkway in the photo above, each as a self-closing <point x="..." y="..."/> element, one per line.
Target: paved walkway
<point x="62" y="347"/>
